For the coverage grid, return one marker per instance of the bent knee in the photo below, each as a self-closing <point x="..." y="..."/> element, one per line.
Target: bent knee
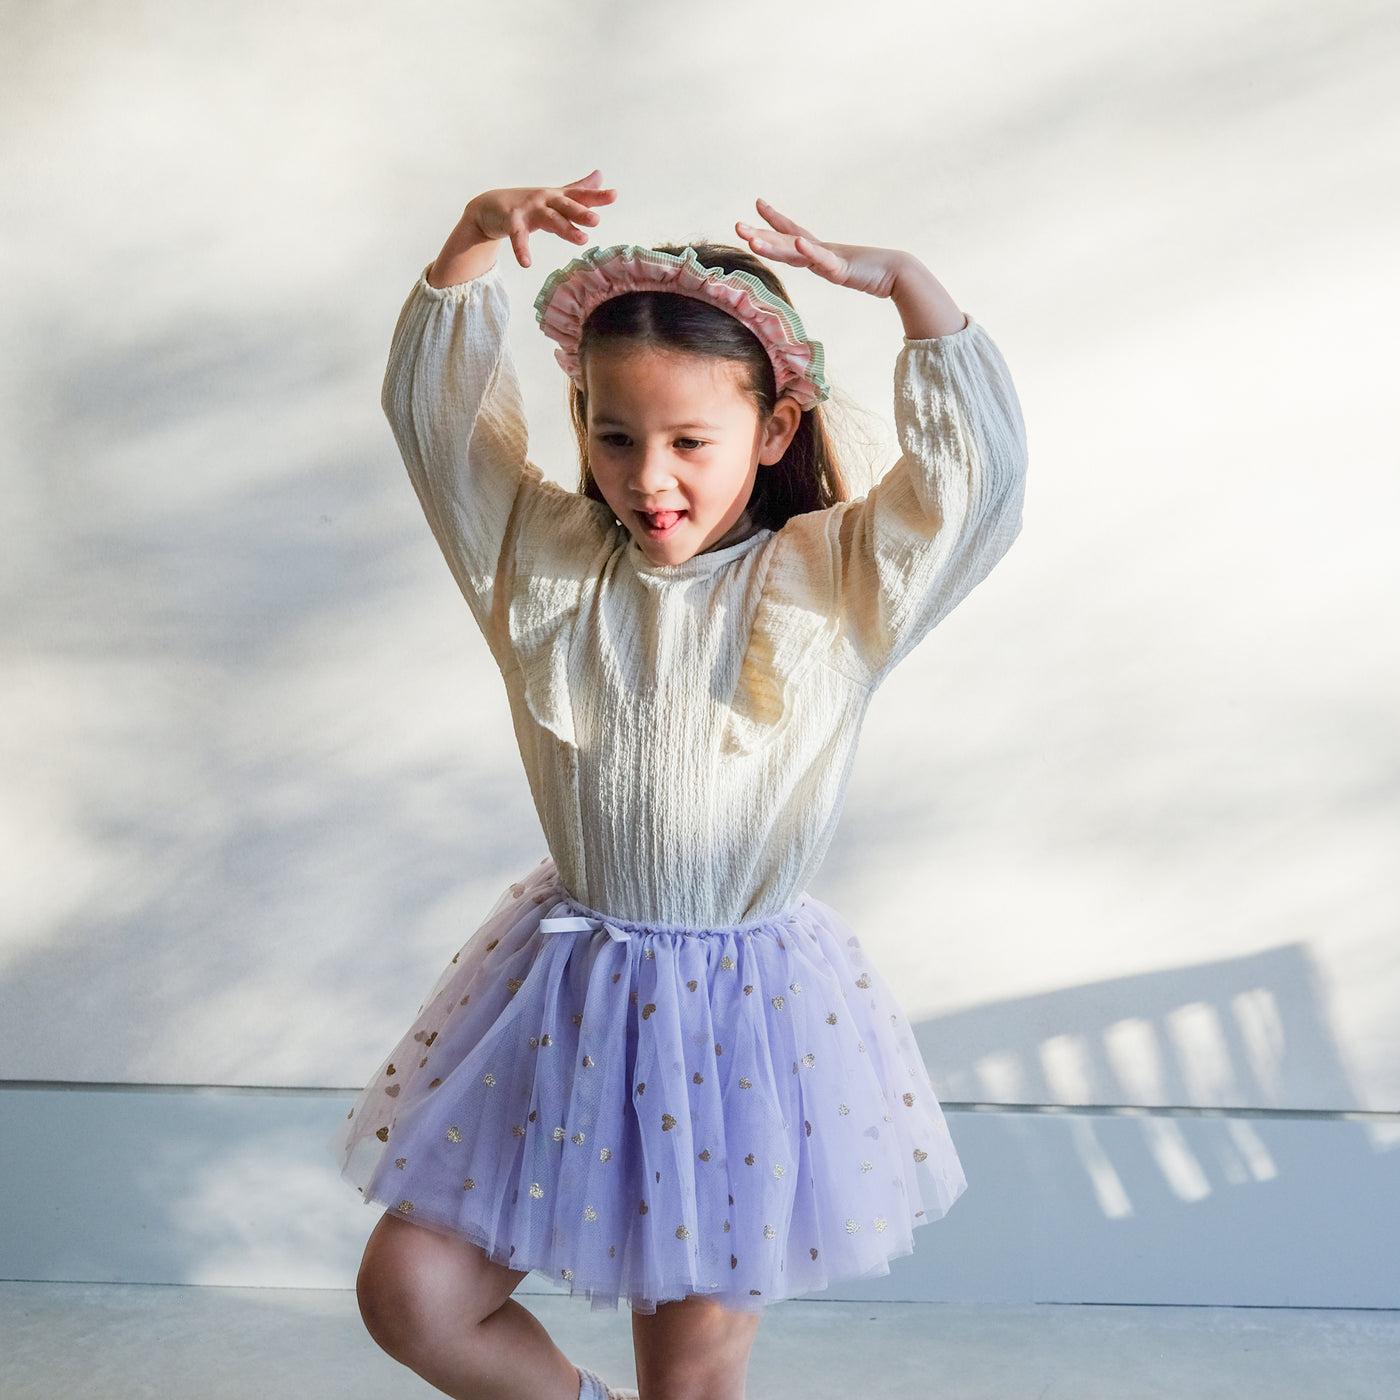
<point x="384" y="1291"/>
<point x="416" y="1287"/>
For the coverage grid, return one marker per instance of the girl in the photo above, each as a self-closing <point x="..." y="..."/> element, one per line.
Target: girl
<point x="659" y="1072"/>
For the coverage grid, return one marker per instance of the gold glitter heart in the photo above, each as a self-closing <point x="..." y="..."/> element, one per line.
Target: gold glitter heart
<point x="748" y="1161"/>
<point x="777" y="1003"/>
<point x="705" y="1155"/>
<point x="577" y="1139"/>
<point x="454" y="1135"/>
<point x="406" y="1207"/>
<point x="493" y="944"/>
<point x="682" y="1233"/>
<point x="733" y="1262"/>
<point x="648" y="1009"/>
<point x="383" y="1135"/>
<point x="691" y="985"/>
<point x="667" y="1122"/>
<point x="391" y="1070"/>
<point x="605" y="1154"/>
<point x="642" y="1087"/>
<point x="745" y="1082"/>
<point x="909" y="1101"/>
<point x="433" y="1083"/>
<point x="400" y="1162"/>
<point x="920" y="1155"/>
<point x="813" y="1253"/>
<point x="588" y="1062"/>
<point x="641" y="1208"/>
<point x="536" y="1190"/>
<point x="469" y="1185"/>
<point x="392" y="1091"/>
<point x="863" y="981"/>
<point x="697" y="1078"/>
<point x="831" y="1019"/>
<point x="809" y="1060"/>
<point x="748" y="991"/>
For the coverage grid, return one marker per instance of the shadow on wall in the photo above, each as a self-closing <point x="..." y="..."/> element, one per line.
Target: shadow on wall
<point x="1245" y="1032"/>
<point x="1244" y="1042"/>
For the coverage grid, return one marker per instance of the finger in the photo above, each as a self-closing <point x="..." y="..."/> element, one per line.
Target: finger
<point x="590" y="189"/>
<point x="780" y="221"/>
<point x="590" y="197"/>
<point x="554" y="222"/>
<point x="821" y="259"/>
<point x="775" y="247"/>
<point x="520" y="243"/>
<point x="572" y="210"/>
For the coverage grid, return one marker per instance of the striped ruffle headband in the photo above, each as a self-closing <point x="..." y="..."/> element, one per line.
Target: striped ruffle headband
<point x="570" y="295"/>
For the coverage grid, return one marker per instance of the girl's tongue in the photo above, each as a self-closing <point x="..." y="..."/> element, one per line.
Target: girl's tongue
<point x="661" y="520"/>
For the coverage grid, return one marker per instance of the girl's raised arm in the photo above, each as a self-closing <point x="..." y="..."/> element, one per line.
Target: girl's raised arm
<point x="450" y="391"/>
<point x="938" y="521"/>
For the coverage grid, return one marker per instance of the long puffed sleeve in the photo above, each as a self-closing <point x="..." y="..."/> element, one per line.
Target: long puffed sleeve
<point x="856" y="587"/>
<point x="934" y="526"/>
<point x="453" y="402"/>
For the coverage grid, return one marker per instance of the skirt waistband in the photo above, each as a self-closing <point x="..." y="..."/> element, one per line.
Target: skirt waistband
<point x="567" y="915"/>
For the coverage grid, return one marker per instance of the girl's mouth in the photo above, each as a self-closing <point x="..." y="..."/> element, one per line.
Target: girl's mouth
<point x="659" y="522"/>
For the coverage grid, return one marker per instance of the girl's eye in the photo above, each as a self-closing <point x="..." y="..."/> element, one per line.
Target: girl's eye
<point x="688" y="444"/>
<point x="613" y="439"/>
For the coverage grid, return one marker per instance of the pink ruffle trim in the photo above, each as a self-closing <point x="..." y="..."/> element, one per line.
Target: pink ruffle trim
<point x="571" y="294"/>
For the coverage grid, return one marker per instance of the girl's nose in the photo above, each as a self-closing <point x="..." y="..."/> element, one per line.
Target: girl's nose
<point x="654" y="471"/>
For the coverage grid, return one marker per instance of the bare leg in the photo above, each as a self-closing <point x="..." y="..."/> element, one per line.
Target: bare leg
<point x="693" y="1350"/>
<point x="442" y="1308"/>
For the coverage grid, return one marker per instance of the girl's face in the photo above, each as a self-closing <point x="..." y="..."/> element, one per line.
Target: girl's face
<point x="675" y="441"/>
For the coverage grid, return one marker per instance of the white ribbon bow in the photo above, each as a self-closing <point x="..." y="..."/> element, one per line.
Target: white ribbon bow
<point x="579" y="924"/>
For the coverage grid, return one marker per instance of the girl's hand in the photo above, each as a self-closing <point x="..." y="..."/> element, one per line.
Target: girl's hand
<point x="514" y="214"/>
<point x="925" y="307"/>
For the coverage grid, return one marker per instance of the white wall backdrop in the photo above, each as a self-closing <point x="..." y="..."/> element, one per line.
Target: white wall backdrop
<point x="259" y="781"/>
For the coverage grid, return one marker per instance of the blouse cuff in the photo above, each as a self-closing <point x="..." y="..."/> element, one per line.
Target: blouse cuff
<point x="934" y="342"/>
<point x="460" y="291"/>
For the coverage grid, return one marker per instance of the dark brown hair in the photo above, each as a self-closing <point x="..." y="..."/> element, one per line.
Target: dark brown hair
<point x="808" y="477"/>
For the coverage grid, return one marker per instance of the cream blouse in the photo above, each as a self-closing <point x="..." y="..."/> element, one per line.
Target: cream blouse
<point x="687" y="730"/>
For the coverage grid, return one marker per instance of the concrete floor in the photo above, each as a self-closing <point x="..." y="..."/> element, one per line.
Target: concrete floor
<point x="120" y="1342"/>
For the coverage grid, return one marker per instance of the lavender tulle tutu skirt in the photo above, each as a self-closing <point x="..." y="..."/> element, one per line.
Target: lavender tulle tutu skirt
<point x="642" y="1113"/>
